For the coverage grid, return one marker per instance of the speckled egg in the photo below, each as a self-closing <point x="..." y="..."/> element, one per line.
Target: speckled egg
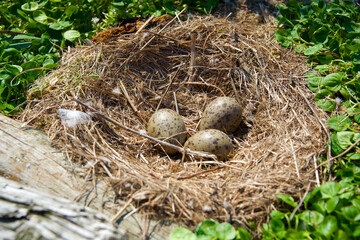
<point x="223" y="113"/>
<point x="211" y="140"/>
<point x="165" y="123"/>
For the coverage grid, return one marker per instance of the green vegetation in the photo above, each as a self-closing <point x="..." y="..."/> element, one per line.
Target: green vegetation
<point x="329" y="34"/>
<point x="208" y="230"/>
<point x="34" y="33"/>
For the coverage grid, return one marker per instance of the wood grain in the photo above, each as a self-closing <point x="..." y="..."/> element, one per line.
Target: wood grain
<point x="27" y="158"/>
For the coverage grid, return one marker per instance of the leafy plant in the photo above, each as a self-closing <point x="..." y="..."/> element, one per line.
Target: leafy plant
<point x="134" y="8"/>
<point x="211" y="230"/>
<point x="329" y="34"/>
<point x="331" y="211"/>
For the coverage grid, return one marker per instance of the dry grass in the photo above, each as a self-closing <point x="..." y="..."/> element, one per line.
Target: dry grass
<point x="127" y="77"/>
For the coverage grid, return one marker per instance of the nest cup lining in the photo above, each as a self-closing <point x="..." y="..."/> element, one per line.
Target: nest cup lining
<point x="274" y="149"/>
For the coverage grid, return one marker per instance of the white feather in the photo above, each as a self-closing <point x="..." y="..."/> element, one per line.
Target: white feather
<point x="72" y="118"/>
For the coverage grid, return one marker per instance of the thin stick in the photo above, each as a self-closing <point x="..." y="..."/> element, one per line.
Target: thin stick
<point x="180" y="149"/>
<point x="168" y="87"/>
<point x="322" y="125"/>
<point x="171" y="21"/>
<point x="341" y="154"/>
<point x="145" y="24"/>
<point x="193" y="55"/>
<point x="316" y="172"/>
<point x="199" y="173"/>
<point x="294" y="157"/>
<point x="176" y="103"/>
<point x="234" y="87"/>
<point x="29" y="70"/>
<point x="301" y="202"/>
<point x="123" y="89"/>
<point x="118" y="214"/>
<point x="205" y="84"/>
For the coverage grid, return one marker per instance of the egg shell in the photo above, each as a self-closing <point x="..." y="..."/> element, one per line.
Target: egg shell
<point x="223" y="113"/>
<point x="211" y="140"/>
<point x="165" y="123"/>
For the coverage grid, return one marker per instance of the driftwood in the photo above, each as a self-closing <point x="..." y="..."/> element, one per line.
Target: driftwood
<point x="27" y="158"/>
<point x="26" y="213"/>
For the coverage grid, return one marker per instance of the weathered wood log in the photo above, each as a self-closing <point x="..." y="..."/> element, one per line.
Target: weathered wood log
<point x="26" y="213"/>
<point x="27" y="158"/>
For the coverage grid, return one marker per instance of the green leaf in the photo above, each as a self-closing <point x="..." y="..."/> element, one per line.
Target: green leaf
<point x="30" y="6"/>
<point x="331" y="204"/>
<point x="284" y="37"/>
<point x="287" y="199"/>
<point x="341" y="235"/>
<point x="321" y="35"/>
<point x="24" y="37"/>
<point x="353" y="156"/>
<point x="41" y="17"/>
<point x="346" y="138"/>
<point x="330" y="189"/>
<point x="311" y="217"/>
<point x="335" y="146"/>
<point x="313" y="80"/>
<point x="327" y="226"/>
<point x="350" y="212"/>
<point x="182" y="234"/>
<point x="277" y="225"/>
<point x="13" y="69"/>
<point x="225" y="231"/>
<point x="243" y="234"/>
<point x="71" y="35"/>
<point x="300" y="48"/>
<point x="70" y="10"/>
<point x="29" y="65"/>
<point x="60" y="25"/>
<point x="332" y="82"/>
<point x="322" y="102"/>
<point x="314" y="49"/>
<point x="207" y="228"/>
<point x="277" y="214"/>
<point x="339" y="123"/>
<point x="356" y="232"/>
<point x="320" y="206"/>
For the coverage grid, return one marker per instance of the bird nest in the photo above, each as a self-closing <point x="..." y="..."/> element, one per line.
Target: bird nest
<point x="183" y="65"/>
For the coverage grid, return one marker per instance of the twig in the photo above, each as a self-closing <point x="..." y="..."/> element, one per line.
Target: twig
<point x="118" y="214"/>
<point x="294" y="157"/>
<point x="193" y="55"/>
<point x="123" y="89"/>
<point x="301" y="202"/>
<point x="180" y="149"/>
<point x="176" y="103"/>
<point x="29" y="70"/>
<point x="316" y="172"/>
<point x="234" y="87"/>
<point x="341" y="154"/>
<point x="171" y="21"/>
<point x="11" y="32"/>
<point x="205" y="84"/>
<point x="145" y="24"/>
<point x="168" y="87"/>
<point x="199" y="173"/>
<point x="322" y="125"/>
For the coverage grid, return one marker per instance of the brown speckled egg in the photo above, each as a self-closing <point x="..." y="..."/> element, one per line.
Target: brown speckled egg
<point x="165" y="123"/>
<point x="223" y="113"/>
<point x="212" y="141"/>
